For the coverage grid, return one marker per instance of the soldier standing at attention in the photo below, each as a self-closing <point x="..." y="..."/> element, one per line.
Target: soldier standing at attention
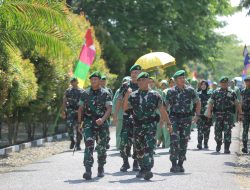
<point x="203" y="123"/>
<point x="103" y="82"/>
<point x="223" y="102"/>
<point x="245" y="103"/>
<point x="96" y="105"/>
<point x="69" y="111"/>
<point x="145" y="102"/>
<point x="180" y="100"/>
<point x="128" y="123"/>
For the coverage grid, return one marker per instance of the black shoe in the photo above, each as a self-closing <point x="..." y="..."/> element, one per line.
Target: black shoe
<point x="107" y="146"/>
<point x="136" y="166"/>
<point x="180" y="166"/>
<point x="72" y="143"/>
<point x="125" y="166"/>
<point x="140" y="174"/>
<point x="87" y="174"/>
<point x="205" y="146"/>
<point x="100" y="172"/>
<point x="244" y="150"/>
<point x="174" y="168"/>
<point x="78" y="148"/>
<point x="226" y="148"/>
<point x="218" y="147"/>
<point x="148" y="175"/>
<point x="199" y="146"/>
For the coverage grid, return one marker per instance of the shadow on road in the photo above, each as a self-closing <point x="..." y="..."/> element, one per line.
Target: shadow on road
<point x="77" y="181"/>
<point x="122" y="173"/>
<point x="136" y="180"/>
<point x="172" y="174"/>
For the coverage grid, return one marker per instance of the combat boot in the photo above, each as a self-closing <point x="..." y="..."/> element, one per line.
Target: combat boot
<point x="78" y="146"/>
<point x="136" y="166"/>
<point x="174" y="168"/>
<point x="72" y="143"/>
<point x="199" y="146"/>
<point x="226" y="148"/>
<point x="148" y="175"/>
<point x="125" y="165"/>
<point x="100" y="171"/>
<point x="180" y="166"/>
<point x="107" y="146"/>
<point x="205" y="145"/>
<point x="87" y="174"/>
<point x="218" y="147"/>
<point x="141" y="173"/>
<point x="244" y="149"/>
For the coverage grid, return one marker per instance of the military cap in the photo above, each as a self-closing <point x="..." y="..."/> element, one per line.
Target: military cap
<point x="224" y="79"/>
<point x="95" y="74"/>
<point x="103" y="78"/>
<point x="73" y="79"/>
<point x="143" y="75"/>
<point x="135" y="67"/>
<point x="179" y="73"/>
<point x="247" y="78"/>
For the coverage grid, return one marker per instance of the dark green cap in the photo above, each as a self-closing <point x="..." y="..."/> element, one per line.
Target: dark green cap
<point x="143" y="75"/>
<point x="73" y="79"/>
<point x="95" y="74"/>
<point x="247" y="78"/>
<point x="179" y="73"/>
<point x="103" y="78"/>
<point x="135" y="67"/>
<point x="224" y="79"/>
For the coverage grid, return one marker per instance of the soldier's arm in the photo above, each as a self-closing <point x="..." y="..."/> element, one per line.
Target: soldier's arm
<point x="107" y="113"/>
<point x="238" y="105"/>
<point x="79" y="114"/>
<point x="63" y="114"/>
<point x="165" y="118"/>
<point x="126" y="103"/>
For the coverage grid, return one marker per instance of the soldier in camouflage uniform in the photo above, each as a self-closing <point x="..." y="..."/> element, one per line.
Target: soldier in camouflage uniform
<point x="103" y="85"/>
<point x="128" y="123"/>
<point x="69" y="112"/>
<point x="145" y="102"/>
<point x="180" y="100"/>
<point x="96" y="105"/>
<point x="223" y="102"/>
<point x="203" y="123"/>
<point x="245" y="104"/>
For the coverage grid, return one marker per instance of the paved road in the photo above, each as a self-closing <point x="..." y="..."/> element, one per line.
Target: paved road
<point x="205" y="169"/>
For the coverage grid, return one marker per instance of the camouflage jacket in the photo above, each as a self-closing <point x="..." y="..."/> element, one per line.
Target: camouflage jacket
<point x="204" y="97"/>
<point x="94" y="102"/>
<point x="245" y="97"/>
<point x="181" y="100"/>
<point x="223" y="100"/>
<point x="144" y="103"/>
<point x="73" y="96"/>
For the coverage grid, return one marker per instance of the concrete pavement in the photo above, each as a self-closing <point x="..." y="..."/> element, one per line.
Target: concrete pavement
<point x="205" y="170"/>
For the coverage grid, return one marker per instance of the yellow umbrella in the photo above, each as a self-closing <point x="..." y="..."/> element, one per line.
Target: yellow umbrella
<point x="154" y="60"/>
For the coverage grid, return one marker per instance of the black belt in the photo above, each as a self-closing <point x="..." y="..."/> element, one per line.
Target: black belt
<point x="181" y="114"/>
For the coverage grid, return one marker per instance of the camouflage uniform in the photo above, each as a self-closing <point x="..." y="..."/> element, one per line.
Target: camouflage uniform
<point x="203" y="123"/>
<point x="72" y="96"/>
<point x="181" y="107"/>
<point x="94" y="104"/>
<point x="127" y="125"/>
<point x="245" y="95"/>
<point x="223" y="102"/>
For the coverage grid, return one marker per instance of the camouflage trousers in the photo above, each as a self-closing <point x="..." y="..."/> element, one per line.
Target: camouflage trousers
<point x="203" y="126"/>
<point x="246" y="123"/>
<point x="71" y="121"/>
<point x="145" y="141"/>
<point x="179" y="138"/>
<point x="91" y="133"/>
<point x="127" y="137"/>
<point x="223" y="122"/>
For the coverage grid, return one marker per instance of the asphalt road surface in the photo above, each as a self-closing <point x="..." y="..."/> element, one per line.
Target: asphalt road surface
<point x="205" y="170"/>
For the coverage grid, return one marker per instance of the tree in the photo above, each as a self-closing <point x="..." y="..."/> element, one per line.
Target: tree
<point x="129" y="29"/>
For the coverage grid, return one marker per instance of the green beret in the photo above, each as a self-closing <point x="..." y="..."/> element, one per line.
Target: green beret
<point x="127" y="78"/>
<point x="95" y="74"/>
<point x="143" y="75"/>
<point x="224" y="79"/>
<point x="247" y="78"/>
<point x="103" y="78"/>
<point x="179" y="73"/>
<point x="73" y="79"/>
<point x="135" y="67"/>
